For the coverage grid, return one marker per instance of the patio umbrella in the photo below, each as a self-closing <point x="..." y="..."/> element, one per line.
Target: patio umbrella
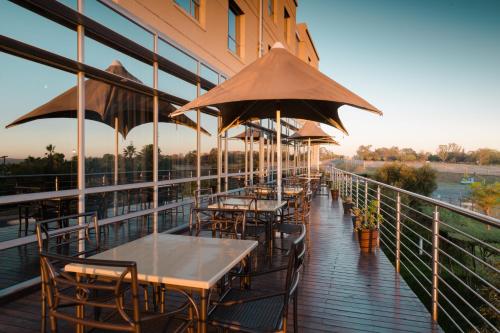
<point x="279" y="83"/>
<point x="117" y="107"/>
<point x="313" y="134"/>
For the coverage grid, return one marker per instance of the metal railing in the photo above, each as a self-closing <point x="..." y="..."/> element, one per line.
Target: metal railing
<point x="447" y="254"/>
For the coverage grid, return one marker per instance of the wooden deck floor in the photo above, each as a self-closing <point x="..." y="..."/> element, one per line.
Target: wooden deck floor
<point x="341" y="290"/>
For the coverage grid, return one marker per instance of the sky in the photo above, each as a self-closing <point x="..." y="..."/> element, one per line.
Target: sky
<point x="432" y="67"/>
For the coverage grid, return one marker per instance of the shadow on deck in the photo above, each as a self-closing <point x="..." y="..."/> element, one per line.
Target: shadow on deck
<point x="342" y="290"/>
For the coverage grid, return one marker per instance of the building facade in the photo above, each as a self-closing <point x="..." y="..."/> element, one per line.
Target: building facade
<point x="173" y="51"/>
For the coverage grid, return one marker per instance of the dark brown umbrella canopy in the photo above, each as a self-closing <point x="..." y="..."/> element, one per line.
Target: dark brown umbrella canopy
<point x="105" y="102"/>
<point x="279" y="81"/>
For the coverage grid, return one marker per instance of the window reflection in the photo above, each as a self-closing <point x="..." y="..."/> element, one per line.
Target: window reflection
<point x="38" y="154"/>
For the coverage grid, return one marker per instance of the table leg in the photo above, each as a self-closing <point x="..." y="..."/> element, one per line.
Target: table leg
<point x="202" y="321"/>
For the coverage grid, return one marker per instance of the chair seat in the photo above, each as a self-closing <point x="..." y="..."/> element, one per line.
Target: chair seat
<point x="259" y="315"/>
<point x="288" y="228"/>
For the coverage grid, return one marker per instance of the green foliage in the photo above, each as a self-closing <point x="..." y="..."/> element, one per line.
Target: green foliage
<point x="486" y="196"/>
<point x="419" y="180"/>
<point x="369" y="218"/>
<point x="450" y="152"/>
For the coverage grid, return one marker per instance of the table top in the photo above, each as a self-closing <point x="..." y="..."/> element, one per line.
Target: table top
<point x="263" y="205"/>
<point x="185" y="261"/>
<point x="289" y="190"/>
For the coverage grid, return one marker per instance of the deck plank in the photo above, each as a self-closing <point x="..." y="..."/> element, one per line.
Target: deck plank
<point x="342" y="290"/>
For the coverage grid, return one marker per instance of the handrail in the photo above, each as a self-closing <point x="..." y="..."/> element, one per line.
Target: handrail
<point x="414" y="242"/>
<point x="469" y="213"/>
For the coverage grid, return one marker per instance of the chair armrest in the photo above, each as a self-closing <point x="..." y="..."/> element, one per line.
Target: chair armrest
<point x="249" y="299"/>
<point x="258" y="273"/>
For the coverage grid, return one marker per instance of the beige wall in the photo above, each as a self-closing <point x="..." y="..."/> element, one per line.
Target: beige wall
<point x="207" y="37"/>
<point x="306" y="50"/>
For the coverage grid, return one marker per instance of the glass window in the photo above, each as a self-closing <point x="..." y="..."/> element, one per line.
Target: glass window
<point x="192" y="7"/>
<point x="23" y="25"/>
<point x="234" y="18"/>
<point x="270" y="7"/>
<point x="38" y="153"/>
<point x="115" y="21"/>
<point x="177" y="56"/>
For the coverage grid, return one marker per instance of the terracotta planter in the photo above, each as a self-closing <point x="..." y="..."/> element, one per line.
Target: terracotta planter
<point x="368" y="240"/>
<point x="335" y="194"/>
<point x="347" y="207"/>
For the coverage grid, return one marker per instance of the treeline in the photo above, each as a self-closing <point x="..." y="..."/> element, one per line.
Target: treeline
<point x="451" y="153"/>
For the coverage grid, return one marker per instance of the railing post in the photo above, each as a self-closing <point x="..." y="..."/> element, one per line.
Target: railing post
<point x="366" y="194"/>
<point x="350" y="186"/>
<point x="378" y="213"/>
<point x="398" y="231"/>
<point x="357" y="192"/>
<point x="378" y="204"/>
<point x="435" y="263"/>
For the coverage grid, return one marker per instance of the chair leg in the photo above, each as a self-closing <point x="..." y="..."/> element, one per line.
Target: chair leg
<point x="44" y="313"/>
<point x="295" y="317"/>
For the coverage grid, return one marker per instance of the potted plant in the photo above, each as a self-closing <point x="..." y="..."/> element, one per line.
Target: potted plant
<point x="356" y="217"/>
<point x="367" y="227"/>
<point x="347" y="204"/>
<point x="334" y="190"/>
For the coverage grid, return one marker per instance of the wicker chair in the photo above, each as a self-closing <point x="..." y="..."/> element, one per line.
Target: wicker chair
<point x="203" y="197"/>
<point x="115" y="301"/>
<point x="219" y="221"/>
<point x="259" y="310"/>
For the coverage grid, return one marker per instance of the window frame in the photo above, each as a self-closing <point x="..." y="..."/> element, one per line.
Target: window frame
<point x="194" y="8"/>
<point x="234" y="9"/>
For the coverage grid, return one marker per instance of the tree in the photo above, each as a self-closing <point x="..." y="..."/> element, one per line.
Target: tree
<point x="442" y="152"/>
<point x="419" y="180"/>
<point x="485" y="196"/>
<point x="364" y="153"/>
<point x="130" y="151"/>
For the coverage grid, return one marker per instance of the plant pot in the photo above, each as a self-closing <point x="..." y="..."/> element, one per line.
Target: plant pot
<point x="368" y="240"/>
<point x="347" y="207"/>
<point x="335" y="194"/>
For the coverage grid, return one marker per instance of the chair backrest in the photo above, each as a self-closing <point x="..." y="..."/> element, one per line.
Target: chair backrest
<point x="296" y="257"/>
<point x="203" y="197"/>
<point x="64" y="290"/>
<point x="218" y="220"/>
<point x="249" y="201"/>
<point x="59" y="236"/>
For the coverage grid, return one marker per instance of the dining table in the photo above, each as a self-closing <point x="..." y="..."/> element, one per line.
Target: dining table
<point x="194" y="264"/>
<point x="270" y="207"/>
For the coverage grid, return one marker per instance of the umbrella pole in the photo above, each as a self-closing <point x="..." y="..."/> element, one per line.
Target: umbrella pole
<point x="115" y="171"/>
<point x="309" y="162"/>
<point x="251" y="155"/>
<point x="278" y="152"/>
<point x="246" y="155"/>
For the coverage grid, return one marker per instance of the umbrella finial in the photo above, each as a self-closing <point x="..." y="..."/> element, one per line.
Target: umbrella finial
<point x="278" y="45"/>
<point x="116" y="62"/>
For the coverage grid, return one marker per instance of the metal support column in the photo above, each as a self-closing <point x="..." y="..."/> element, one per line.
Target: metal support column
<point x="155" y="137"/>
<point x="81" y="127"/>
<point x="435" y="263"/>
<point x="398" y="232"/>
<point x="226" y="162"/>
<point x="219" y="154"/>
<point x="278" y="153"/>
<point x="198" y="132"/>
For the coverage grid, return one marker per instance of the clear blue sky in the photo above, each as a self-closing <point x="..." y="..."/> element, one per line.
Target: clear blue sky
<point x="432" y="67"/>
